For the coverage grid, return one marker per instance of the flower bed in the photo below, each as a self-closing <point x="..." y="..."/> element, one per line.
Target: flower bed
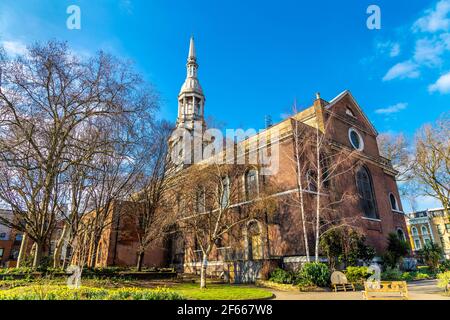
<point x="60" y="292"/>
<point x="112" y="272"/>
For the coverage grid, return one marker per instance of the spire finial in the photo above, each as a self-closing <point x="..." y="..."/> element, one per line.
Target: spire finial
<point x="318" y="95"/>
<point x="192" y="54"/>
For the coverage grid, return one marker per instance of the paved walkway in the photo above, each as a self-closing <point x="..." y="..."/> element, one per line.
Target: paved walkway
<point x="418" y="290"/>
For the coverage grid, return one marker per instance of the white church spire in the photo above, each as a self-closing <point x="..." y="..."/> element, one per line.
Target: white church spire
<point x="192" y="55"/>
<point x="191" y="100"/>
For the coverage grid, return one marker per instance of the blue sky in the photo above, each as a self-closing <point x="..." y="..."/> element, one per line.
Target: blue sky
<point x="257" y="57"/>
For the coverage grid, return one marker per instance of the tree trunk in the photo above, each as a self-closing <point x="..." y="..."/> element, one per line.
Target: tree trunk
<point x="203" y="271"/>
<point x="319" y="185"/>
<point x="64" y="260"/>
<point x="300" y="193"/>
<point x="58" y="248"/>
<point x="93" y="254"/>
<point x="38" y="254"/>
<point x="22" y="250"/>
<point x="140" y="260"/>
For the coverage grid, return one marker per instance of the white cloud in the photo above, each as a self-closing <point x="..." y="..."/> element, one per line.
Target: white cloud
<point x="395" y="50"/>
<point x="402" y="70"/>
<point x="126" y="6"/>
<point x="429" y="51"/>
<point x="392" y="48"/>
<point x="420" y="203"/>
<point x="392" y="109"/>
<point x="436" y="19"/>
<point x="14" y="47"/>
<point x="432" y="45"/>
<point x="442" y="85"/>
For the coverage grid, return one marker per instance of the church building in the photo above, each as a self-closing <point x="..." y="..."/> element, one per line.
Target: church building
<point x="375" y="209"/>
<point x="361" y="194"/>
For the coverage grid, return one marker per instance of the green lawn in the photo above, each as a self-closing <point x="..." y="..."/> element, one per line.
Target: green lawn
<point x="118" y="289"/>
<point x="221" y="292"/>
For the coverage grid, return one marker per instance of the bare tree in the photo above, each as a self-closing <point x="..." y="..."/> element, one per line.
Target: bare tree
<point x="318" y="162"/>
<point x="298" y="200"/>
<point x="47" y="97"/>
<point x="432" y="161"/>
<point x="153" y="214"/>
<point x="397" y="149"/>
<point x="328" y="162"/>
<point x="208" y="202"/>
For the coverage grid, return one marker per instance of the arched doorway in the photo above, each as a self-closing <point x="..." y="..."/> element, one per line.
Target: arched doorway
<point x="254" y="240"/>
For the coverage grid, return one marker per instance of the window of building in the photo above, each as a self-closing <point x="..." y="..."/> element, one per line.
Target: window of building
<point x="200" y="200"/>
<point x="1" y="252"/>
<point x="254" y="241"/>
<point x="18" y="237"/>
<point x="3" y="236"/>
<point x="311" y="180"/>
<point x="393" y="200"/>
<point x="427" y="241"/>
<point x="447" y="226"/>
<point x="366" y="194"/>
<point x="251" y="184"/>
<point x="225" y="192"/>
<point x="349" y="112"/>
<point x="424" y="230"/>
<point x="414" y="231"/>
<point x="325" y="170"/>
<point x="440" y="229"/>
<point x="417" y="244"/>
<point x="14" y="254"/>
<point x="401" y="234"/>
<point x="355" y="139"/>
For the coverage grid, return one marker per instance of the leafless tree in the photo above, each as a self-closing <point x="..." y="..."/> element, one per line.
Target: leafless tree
<point x="209" y="196"/>
<point x="432" y="161"/>
<point x="153" y="214"/>
<point x="318" y="163"/>
<point x="48" y="97"/>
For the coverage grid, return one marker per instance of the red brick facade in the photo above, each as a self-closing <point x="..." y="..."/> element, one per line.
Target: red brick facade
<point x="281" y="233"/>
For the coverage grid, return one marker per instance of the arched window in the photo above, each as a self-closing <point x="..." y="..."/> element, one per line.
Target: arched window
<point x="225" y="192"/>
<point x="424" y="230"/>
<point x="366" y="194"/>
<point x="414" y="231"/>
<point x="393" y="200"/>
<point x="255" y="244"/>
<point x="325" y="170"/>
<point x="251" y="184"/>
<point x="311" y="180"/>
<point x="401" y="234"/>
<point x="200" y="200"/>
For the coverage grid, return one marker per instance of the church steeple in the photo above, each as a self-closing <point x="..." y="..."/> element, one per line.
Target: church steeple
<point x="191" y="100"/>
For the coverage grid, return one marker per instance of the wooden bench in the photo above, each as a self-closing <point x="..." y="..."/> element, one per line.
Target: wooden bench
<point x="385" y="290"/>
<point x="339" y="282"/>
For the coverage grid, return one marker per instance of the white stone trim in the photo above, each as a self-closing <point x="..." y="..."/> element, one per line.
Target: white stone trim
<point x="361" y="140"/>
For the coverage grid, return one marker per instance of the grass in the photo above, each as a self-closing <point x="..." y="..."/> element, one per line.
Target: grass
<point x="61" y="292"/>
<point x="221" y="292"/>
<point x="112" y="289"/>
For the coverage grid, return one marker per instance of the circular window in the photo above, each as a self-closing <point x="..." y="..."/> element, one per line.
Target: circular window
<point x="355" y="139"/>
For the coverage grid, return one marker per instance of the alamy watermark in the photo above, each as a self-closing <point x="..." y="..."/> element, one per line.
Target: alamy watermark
<point x="374" y="20"/>
<point x="238" y="146"/>
<point x="73" y="22"/>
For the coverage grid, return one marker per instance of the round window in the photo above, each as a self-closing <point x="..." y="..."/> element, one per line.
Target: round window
<point x="355" y="139"/>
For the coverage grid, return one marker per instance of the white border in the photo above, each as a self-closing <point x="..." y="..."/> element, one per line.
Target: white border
<point x="361" y="141"/>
